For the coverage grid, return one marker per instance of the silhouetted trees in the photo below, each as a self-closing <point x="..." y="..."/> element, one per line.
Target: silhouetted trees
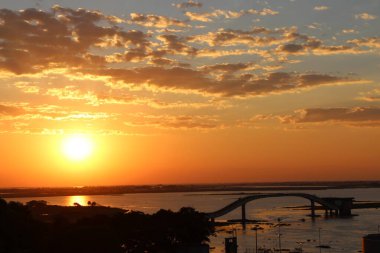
<point x="91" y="203"/>
<point x="132" y="232"/>
<point x="19" y="232"/>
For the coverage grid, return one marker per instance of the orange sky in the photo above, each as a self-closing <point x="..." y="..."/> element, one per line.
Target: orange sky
<point x="189" y="92"/>
<point x="233" y="155"/>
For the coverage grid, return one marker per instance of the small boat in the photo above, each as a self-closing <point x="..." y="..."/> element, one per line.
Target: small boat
<point x="323" y="246"/>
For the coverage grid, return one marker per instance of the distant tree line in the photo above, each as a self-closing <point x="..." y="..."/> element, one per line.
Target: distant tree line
<point x="130" y="232"/>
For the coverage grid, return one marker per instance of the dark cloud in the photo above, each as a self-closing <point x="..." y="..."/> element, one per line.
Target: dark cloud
<point x="181" y="78"/>
<point x="292" y="48"/>
<point x="32" y="40"/>
<point x="228" y="67"/>
<point x="177" y="44"/>
<point x="303" y="44"/>
<point x="356" y="114"/>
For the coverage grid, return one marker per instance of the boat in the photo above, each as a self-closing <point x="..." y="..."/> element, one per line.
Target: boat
<point x="323" y="246"/>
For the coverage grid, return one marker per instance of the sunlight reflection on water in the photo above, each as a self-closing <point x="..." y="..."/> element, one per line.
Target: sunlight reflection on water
<point x="81" y="200"/>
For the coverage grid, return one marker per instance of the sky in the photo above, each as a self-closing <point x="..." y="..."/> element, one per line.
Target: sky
<point x="175" y="92"/>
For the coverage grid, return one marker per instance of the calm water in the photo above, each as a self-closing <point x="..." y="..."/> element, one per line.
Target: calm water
<point x="343" y="235"/>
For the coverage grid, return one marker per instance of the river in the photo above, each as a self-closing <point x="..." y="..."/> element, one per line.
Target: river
<point x="343" y="235"/>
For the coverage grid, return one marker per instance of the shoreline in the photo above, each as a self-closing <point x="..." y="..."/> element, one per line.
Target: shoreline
<point x="214" y="189"/>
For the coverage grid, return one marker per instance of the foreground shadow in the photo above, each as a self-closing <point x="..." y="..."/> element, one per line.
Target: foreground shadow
<point x="40" y="228"/>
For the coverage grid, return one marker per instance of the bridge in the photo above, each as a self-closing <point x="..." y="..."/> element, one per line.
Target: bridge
<point x="334" y="206"/>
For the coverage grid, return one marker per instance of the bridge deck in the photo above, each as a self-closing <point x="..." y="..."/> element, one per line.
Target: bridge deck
<point x="242" y="201"/>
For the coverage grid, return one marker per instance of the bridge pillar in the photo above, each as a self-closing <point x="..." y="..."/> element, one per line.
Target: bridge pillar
<point x="346" y="207"/>
<point x="243" y="217"/>
<point x="312" y="208"/>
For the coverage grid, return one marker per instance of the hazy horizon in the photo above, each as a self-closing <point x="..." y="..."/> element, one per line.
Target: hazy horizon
<point x="341" y="183"/>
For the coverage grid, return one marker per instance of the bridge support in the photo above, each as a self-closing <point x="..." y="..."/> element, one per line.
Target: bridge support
<point x="312" y="208"/>
<point x="338" y="206"/>
<point x="243" y="217"/>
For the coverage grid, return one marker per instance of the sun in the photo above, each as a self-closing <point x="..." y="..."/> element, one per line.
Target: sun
<point x="77" y="147"/>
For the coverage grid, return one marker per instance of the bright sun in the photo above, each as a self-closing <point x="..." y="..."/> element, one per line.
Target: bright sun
<point x="77" y="147"/>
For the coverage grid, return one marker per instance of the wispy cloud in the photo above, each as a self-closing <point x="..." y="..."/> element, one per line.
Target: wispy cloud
<point x="205" y="122"/>
<point x="321" y="8"/>
<point x="354" y="115"/>
<point x="371" y="96"/>
<point x="151" y="20"/>
<point x="188" y="4"/>
<point x="365" y="16"/>
<point x="208" y="16"/>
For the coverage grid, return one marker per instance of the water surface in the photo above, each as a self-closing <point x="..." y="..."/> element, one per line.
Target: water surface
<point x="344" y="235"/>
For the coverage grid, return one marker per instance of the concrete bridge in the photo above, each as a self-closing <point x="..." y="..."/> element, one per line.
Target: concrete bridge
<point x="333" y="206"/>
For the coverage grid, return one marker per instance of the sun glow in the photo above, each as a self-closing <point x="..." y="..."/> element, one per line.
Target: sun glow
<point x="77" y="147"/>
<point x="74" y="200"/>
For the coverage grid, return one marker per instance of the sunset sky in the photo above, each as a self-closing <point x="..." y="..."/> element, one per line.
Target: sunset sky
<point x="168" y="91"/>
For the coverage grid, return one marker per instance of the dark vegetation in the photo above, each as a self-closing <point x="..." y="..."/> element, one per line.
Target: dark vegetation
<point x="23" y="228"/>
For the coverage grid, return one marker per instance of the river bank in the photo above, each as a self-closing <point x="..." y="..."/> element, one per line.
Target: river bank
<point x="240" y="188"/>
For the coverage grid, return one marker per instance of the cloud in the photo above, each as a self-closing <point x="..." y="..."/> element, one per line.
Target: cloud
<point x="30" y="112"/>
<point x="151" y="20"/>
<point x="228" y="67"/>
<point x="32" y="41"/>
<point x="315" y="26"/>
<point x="204" y="122"/>
<point x="318" y="50"/>
<point x="342" y="115"/>
<point x="256" y="37"/>
<point x="287" y="39"/>
<point x="372" y="42"/>
<point x="208" y="16"/>
<point x="188" y="4"/>
<point x="202" y="17"/>
<point x="349" y="31"/>
<point x="90" y="44"/>
<point x="321" y="8"/>
<point x="365" y="16"/>
<point x="371" y="96"/>
<point x="176" y="44"/>
<point x="186" y="79"/>
<point x="303" y="44"/>
<point x="6" y="110"/>
<point x="27" y="87"/>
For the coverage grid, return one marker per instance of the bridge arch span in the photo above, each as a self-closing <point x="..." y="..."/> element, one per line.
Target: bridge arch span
<point x="241" y="202"/>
